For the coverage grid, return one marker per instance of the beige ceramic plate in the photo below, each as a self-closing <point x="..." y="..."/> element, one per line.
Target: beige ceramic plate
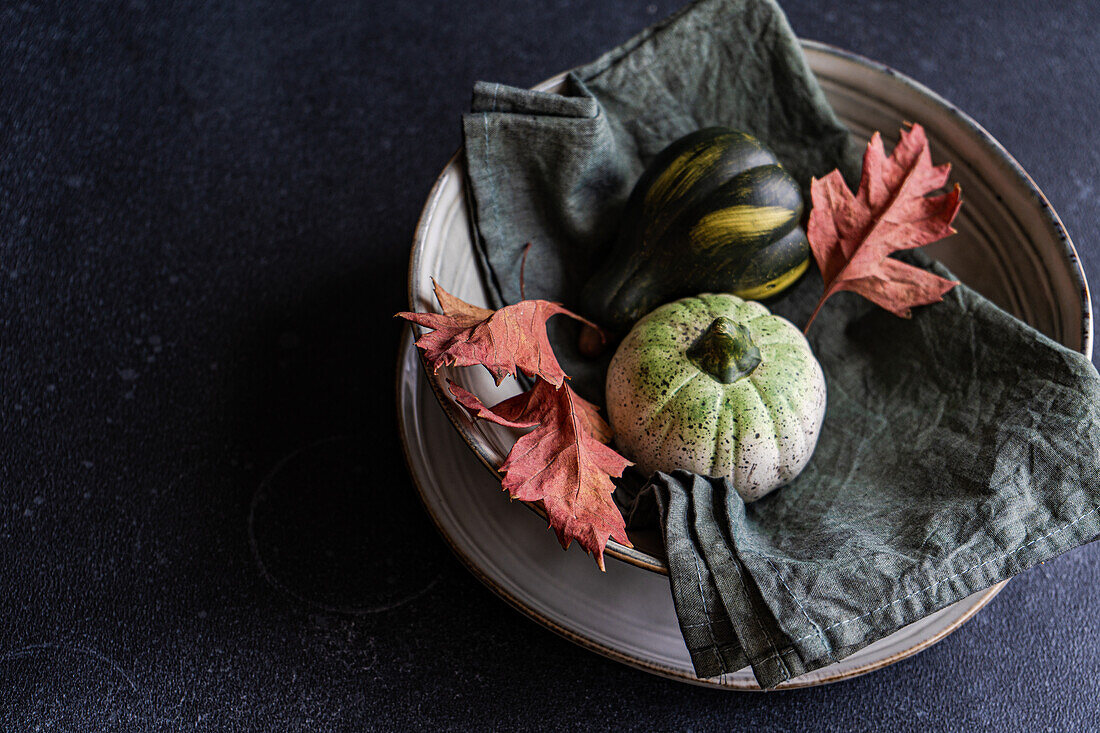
<point x="1011" y="247"/>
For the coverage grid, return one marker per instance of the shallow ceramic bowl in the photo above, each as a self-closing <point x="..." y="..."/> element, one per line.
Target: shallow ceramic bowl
<point x="1011" y="246"/>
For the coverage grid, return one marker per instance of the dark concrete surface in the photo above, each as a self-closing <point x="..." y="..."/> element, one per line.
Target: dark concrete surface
<point x="205" y="519"/>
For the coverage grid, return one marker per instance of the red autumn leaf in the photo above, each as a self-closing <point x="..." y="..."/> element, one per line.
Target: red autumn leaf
<point x="563" y="462"/>
<point x="852" y="236"/>
<point x="501" y="341"/>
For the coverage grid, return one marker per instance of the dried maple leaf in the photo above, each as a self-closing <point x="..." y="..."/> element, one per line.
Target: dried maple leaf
<point x="852" y="236"/>
<point x="501" y="341"/>
<point x="563" y="463"/>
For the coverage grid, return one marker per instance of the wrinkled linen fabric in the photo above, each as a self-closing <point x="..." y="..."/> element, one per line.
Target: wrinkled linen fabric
<point x="959" y="447"/>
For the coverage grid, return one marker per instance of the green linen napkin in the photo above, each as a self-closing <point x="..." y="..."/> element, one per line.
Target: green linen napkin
<point x="959" y="447"/>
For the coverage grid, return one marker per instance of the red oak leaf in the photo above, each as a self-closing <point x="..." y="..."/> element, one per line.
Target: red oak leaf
<point x="852" y="236"/>
<point x="501" y="341"/>
<point x="562" y="463"/>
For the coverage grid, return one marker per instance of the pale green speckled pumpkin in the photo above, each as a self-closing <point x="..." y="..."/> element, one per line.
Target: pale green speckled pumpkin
<point x="718" y="386"/>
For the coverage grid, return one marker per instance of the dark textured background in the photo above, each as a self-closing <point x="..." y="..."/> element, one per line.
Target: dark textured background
<point x="205" y="520"/>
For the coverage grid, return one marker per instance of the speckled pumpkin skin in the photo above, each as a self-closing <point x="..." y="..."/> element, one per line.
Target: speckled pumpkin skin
<point x="759" y="430"/>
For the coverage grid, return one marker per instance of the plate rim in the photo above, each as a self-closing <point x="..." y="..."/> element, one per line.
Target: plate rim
<point x="643" y="560"/>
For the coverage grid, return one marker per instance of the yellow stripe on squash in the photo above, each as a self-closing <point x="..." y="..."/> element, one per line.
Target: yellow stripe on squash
<point x="737" y="223"/>
<point x="681" y="174"/>
<point x="774" y="286"/>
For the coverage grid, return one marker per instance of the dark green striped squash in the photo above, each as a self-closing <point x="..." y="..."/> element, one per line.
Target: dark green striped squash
<point x="714" y="212"/>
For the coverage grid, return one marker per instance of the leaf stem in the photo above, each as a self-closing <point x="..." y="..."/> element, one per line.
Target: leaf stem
<point x="522" y="267"/>
<point x="824" y="297"/>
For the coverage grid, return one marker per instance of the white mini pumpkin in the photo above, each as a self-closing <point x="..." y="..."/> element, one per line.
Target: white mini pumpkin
<point x="718" y="386"/>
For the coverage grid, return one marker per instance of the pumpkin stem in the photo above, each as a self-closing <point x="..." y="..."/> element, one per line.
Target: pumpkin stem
<point x="725" y="351"/>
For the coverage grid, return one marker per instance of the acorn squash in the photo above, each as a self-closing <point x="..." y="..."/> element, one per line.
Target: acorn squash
<point x="714" y="211"/>
<point x="720" y="387"/>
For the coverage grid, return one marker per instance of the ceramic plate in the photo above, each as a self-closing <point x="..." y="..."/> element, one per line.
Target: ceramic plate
<point x="1011" y="247"/>
<point x="625" y="613"/>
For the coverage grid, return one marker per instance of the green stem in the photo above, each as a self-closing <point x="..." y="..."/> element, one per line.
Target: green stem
<point x="725" y="351"/>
